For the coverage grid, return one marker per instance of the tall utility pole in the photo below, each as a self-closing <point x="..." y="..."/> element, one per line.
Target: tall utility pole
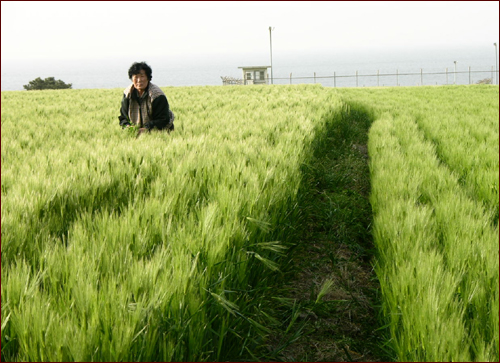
<point x="455" y="75"/>
<point x="271" y="44"/>
<point x="496" y="63"/>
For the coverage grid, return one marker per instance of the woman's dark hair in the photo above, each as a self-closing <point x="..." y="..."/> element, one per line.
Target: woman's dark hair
<point x="136" y="68"/>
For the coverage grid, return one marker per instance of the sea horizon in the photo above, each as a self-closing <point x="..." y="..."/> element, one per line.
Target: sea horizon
<point x="394" y="67"/>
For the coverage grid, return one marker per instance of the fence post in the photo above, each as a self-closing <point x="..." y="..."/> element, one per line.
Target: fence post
<point x="421" y="77"/>
<point x="334" y="79"/>
<point x="314" y="77"/>
<point x="290" y="78"/>
<point x="469" y="74"/>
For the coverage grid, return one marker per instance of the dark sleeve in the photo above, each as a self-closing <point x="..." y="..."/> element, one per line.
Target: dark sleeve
<point x="124" y="121"/>
<point x="160" y="114"/>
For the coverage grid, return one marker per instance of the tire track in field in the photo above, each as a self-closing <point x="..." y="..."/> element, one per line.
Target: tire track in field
<point x="335" y="250"/>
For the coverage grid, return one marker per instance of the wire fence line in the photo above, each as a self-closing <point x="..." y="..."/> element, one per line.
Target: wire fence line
<point x="386" y="79"/>
<point x="419" y="78"/>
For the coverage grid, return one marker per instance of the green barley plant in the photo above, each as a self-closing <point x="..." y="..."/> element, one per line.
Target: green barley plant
<point x="163" y="247"/>
<point x="434" y="170"/>
<point x="153" y="248"/>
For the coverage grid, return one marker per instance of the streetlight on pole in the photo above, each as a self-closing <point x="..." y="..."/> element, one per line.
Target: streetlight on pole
<point x="455" y="75"/>
<point x="271" y="45"/>
<point x="496" y="63"/>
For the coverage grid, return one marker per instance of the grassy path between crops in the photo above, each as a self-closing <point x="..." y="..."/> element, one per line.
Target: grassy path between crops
<point x="329" y="301"/>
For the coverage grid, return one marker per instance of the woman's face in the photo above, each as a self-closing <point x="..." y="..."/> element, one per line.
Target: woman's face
<point x="140" y="81"/>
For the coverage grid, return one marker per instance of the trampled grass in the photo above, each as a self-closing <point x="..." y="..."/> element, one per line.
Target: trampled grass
<point x="164" y="247"/>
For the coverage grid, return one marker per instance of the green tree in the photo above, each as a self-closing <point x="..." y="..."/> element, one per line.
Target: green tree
<point x="47" y="83"/>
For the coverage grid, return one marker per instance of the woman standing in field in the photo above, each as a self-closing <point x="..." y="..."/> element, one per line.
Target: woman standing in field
<point x="144" y="104"/>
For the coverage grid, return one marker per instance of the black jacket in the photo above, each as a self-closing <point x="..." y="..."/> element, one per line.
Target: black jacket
<point x="159" y="116"/>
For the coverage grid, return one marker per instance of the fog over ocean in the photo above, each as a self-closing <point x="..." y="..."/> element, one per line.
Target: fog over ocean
<point x="207" y="70"/>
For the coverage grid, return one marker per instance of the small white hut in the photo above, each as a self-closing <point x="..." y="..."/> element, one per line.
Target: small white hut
<point x="255" y="74"/>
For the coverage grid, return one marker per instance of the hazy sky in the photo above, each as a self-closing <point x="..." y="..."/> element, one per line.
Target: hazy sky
<point x="100" y="29"/>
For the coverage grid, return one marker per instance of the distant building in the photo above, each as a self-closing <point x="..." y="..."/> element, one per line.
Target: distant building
<point x="251" y="75"/>
<point x="255" y="74"/>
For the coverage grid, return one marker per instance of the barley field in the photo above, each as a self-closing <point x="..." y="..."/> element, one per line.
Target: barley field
<point x="434" y="176"/>
<point x="123" y="249"/>
<point x="163" y="247"/>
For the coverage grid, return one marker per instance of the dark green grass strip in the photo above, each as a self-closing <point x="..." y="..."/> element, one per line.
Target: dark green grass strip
<point x="335" y="244"/>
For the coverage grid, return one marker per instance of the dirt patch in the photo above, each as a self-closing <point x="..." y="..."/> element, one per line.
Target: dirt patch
<point x="332" y="288"/>
<point x="341" y="326"/>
